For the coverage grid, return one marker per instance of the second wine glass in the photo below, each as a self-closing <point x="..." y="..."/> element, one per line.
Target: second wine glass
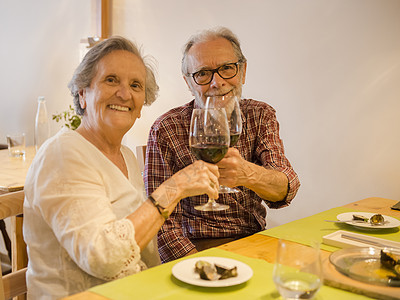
<point x="209" y="141"/>
<point x="232" y="108"/>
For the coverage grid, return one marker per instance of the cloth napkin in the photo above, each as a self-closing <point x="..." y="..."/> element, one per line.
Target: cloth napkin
<point x="159" y="283"/>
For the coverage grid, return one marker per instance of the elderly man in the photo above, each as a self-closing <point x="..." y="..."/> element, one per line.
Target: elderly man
<point x="256" y="165"/>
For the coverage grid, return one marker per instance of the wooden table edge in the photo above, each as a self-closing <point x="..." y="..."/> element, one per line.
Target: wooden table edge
<point x="237" y="246"/>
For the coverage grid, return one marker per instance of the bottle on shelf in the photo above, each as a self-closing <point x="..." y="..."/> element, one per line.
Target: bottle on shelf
<point x="42" y="129"/>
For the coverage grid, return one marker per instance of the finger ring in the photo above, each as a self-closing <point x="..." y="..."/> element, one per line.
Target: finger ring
<point x="212" y="184"/>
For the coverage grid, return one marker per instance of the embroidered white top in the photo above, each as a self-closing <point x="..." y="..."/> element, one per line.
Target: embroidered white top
<point x="76" y="201"/>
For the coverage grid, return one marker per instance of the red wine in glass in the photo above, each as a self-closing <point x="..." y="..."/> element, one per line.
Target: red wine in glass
<point x="234" y="139"/>
<point x="232" y="108"/>
<point x="211" y="153"/>
<point x="209" y="141"/>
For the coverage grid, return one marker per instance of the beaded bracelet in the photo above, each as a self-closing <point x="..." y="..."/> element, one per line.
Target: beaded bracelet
<point x="163" y="212"/>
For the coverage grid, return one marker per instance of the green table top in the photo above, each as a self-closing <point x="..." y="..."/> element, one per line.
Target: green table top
<point x="159" y="283"/>
<point x="314" y="228"/>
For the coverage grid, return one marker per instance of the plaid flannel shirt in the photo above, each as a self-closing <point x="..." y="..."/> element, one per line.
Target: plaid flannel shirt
<point x="168" y="152"/>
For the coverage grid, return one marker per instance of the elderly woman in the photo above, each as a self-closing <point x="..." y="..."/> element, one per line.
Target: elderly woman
<point x="86" y="217"/>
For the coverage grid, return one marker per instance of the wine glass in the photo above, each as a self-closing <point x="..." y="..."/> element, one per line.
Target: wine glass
<point x="297" y="272"/>
<point x="231" y="105"/>
<point x="209" y="141"/>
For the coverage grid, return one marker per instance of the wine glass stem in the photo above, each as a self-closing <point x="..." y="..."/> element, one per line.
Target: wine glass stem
<point x="212" y="205"/>
<point x="211" y="202"/>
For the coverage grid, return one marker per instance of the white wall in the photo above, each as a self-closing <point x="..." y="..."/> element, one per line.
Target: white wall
<point x="330" y="68"/>
<point x="40" y="43"/>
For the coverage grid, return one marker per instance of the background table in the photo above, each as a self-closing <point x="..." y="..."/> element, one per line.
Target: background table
<point x="13" y="170"/>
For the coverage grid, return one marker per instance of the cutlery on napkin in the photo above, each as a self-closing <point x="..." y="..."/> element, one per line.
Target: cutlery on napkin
<point x="366" y="241"/>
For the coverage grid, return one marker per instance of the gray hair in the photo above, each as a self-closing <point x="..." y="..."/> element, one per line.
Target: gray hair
<point x="87" y="69"/>
<point x="208" y="35"/>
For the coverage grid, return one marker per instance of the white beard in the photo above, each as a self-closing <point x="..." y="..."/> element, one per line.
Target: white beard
<point x="201" y="100"/>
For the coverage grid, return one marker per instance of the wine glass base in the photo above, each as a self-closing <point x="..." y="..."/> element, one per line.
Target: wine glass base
<point x="226" y="190"/>
<point x="212" y="206"/>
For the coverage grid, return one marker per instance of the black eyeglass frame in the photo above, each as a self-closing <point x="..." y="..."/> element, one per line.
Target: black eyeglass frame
<point x="213" y="71"/>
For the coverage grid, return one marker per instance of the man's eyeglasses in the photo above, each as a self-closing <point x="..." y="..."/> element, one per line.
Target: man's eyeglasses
<point x="227" y="71"/>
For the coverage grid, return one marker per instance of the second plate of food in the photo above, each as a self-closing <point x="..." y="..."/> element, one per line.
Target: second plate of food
<point x="185" y="271"/>
<point x="390" y="222"/>
<point x="369" y="265"/>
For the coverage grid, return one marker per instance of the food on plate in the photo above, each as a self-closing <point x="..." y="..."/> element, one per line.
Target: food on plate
<point x="360" y="218"/>
<point x="391" y="261"/>
<point x="377" y="219"/>
<point x="226" y="272"/>
<point x="208" y="271"/>
<point x="200" y="264"/>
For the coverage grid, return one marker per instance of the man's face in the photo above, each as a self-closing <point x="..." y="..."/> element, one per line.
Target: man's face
<point x="211" y="55"/>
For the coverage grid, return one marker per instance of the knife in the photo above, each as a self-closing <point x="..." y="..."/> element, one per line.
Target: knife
<point x="365" y="241"/>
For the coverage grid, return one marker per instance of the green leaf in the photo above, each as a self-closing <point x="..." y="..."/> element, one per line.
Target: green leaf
<point x="70" y="119"/>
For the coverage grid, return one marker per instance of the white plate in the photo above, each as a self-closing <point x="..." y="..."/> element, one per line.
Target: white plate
<point x="389" y="221"/>
<point x="184" y="271"/>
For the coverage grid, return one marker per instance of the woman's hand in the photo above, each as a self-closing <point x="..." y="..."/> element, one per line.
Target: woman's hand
<point x="197" y="179"/>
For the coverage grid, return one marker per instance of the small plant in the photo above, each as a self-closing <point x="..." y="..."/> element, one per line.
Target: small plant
<point x="70" y="118"/>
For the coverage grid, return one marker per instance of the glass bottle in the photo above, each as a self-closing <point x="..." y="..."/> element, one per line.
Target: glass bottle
<point x="42" y="129"/>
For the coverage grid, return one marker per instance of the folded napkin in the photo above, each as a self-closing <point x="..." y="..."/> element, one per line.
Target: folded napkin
<point x="159" y="283"/>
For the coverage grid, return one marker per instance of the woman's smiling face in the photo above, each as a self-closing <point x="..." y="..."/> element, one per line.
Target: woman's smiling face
<point x="116" y="95"/>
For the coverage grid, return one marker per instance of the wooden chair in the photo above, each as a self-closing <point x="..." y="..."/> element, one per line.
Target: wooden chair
<point x="141" y="156"/>
<point x="14" y="283"/>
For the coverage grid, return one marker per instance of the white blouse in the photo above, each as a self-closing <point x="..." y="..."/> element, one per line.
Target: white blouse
<point x="76" y="201"/>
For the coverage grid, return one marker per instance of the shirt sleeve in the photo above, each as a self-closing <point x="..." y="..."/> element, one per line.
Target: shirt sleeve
<point x="70" y="197"/>
<point x="270" y="152"/>
<point x="161" y="165"/>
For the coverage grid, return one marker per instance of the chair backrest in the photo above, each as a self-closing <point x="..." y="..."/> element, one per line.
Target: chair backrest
<point x="141" y="156"/>
<point x="14" y="283"/>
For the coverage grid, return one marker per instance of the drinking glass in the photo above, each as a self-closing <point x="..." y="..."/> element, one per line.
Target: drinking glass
<point x="209" y="141"/>
<point x="232" y="108"/>
<point x="16" y="145"/>
<point x="297" y="272"/>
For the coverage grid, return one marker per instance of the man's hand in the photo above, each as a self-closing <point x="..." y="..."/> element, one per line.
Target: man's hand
<point x="234" y="171"/>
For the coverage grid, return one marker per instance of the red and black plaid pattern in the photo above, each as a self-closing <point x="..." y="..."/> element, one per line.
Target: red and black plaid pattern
<point x="168" y="152"/>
